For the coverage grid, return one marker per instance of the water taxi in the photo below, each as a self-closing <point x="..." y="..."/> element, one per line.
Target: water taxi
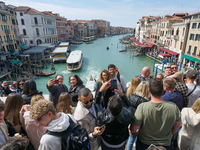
<point x="87" y="39"/>
<point x="75" y="60"/>
<point x="60" y="54"/>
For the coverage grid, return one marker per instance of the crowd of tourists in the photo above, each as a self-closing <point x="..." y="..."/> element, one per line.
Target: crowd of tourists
<point x="161" y="113"/>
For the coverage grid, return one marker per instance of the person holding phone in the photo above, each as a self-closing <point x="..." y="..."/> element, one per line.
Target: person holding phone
<point x="106" y="94"/>
<point x="55" y="88"/>
<point x="116" y="119"/>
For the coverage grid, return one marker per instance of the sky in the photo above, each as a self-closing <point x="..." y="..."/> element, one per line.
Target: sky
<point x="125" y="13"/>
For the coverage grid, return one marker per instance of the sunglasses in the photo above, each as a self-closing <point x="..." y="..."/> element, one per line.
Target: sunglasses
<point x="38" y="119"/>
<point x="86" y="102"/>
<point x="21" y="84"/>
<point x="174" y="68"/>
<point x="72" y="75"/>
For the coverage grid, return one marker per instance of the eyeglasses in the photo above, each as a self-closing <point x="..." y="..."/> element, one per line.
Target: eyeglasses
<point x="86" y="102"/>
<point x="21" y="84"/>
<point x="174" y="68"/>
<point x="38" y="119"/>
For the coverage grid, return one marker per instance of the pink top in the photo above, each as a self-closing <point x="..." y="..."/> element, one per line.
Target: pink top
<point x="33" y="130"/>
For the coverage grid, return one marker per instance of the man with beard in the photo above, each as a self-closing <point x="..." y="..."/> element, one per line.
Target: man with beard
<point x="85" y="115"/>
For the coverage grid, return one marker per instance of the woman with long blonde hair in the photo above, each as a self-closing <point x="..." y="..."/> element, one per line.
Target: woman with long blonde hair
<point x="104" y="77"/>
<point x="65" y="103"/>
<point x="189" y="134"/>
<point x="134" y="83"/>
<point x="141" y="95"/>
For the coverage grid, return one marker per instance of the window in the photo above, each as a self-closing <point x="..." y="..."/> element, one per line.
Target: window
<point x="37" y="31"/>
<point x="31" y="41"/>
<point x="194" y="25"/>
<point x="21" y="14"/>
<point x="177" y="31"/>
<point x="35" y="19"/>
<point x="183" y="31"/>
<point x="2" y="27"/>
<point x="189" y="49"/>
<point x="195" y="50"/>
<point x="197" y="37"/>
<point x="199" y="26"/>
<point x="22" y="21"/>
<point x="172" y="31"/>
<point x="13" y="21"/>
<point x="11" y="11"/>
<point x="181" y="45"/>
<point x="191" y="36"/>
<point x="24" y="31"/>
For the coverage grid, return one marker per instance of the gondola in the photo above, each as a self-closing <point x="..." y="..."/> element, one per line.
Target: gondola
<point x="45" y="74"/>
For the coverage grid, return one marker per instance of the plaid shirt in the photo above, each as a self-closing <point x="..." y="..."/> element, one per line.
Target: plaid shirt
<point x="182" y="89"/>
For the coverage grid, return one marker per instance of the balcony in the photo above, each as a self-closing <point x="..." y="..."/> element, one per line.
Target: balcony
<point x="194" y="54"/>
<point x="188" y="52"/>
<point x="9" y="41"/>
<point x="7" y="31"/>
<point x="176" y="37"/>
<point x="168" y="36"/>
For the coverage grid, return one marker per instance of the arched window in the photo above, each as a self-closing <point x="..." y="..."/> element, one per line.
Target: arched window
<point x="24" y="31"/>
<point x="172" y="31"/>
<point x="21" y="14"/>
<point x="183" y="31"/>
<point x="177" y="31"/>
<point x="35" y="19"/>
<point x="37" y="31"/>
<point x="22" y="21"/>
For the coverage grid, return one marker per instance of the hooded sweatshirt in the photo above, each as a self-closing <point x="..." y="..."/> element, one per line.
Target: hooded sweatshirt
<point x="174" y="97"/>
<point x="189" y="135"/>
<point x="50" y="142"/>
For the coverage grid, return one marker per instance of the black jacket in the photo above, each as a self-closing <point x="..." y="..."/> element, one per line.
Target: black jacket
<point x="116" y="130"/>
<point x="136" y="100"/>
<point x="105" y="95"/>
<point x="74" y="93"/>
<point x="54" y="92"/>
<point x="27" y="98"/>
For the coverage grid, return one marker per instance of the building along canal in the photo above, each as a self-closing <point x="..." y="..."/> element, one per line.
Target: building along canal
<point x="96" y="58"/>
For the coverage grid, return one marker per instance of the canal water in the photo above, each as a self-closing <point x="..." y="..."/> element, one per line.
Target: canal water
<point x="96" y="58"/>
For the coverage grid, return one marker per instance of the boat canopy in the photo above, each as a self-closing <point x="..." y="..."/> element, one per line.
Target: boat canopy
<point x="60" y="50"/>
<point x="74" y="57"/>
<point x="62" y="44"/>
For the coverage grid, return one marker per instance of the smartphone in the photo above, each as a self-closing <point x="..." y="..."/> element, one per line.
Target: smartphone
<point x="113" y="84"/>
<point x="101" y="126"/>
<point x="56" y="81"/>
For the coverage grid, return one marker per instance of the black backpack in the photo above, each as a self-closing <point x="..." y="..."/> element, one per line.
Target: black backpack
<point x="74" y="138"/>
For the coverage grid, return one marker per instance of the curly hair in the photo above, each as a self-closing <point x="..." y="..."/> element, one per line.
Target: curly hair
<point x="41" y="107"/>
<point x="36" y="98"/>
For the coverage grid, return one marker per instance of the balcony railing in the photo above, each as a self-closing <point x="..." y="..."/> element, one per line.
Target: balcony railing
<point x="168" y="36"/>
<point x="176" y="37"/>
<point x="7" y="31"/>
<point x="188" y="52"/>
<point x="9" y="41"/>
<point x="194" y="54"/>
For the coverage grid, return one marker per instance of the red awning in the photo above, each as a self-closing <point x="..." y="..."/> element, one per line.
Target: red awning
<point x="149" y="44"/>
<point x="168" y="51"/>
<point x="165" y="55"/>
<point x="132" y="38"/>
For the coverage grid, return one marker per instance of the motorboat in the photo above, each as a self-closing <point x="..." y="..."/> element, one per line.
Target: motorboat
<point x="91" y="84"/>
<point x="123" y="50"/>
<point x="75" y="60"/>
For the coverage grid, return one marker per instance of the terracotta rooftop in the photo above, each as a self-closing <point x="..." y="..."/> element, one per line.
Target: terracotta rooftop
<point x="198" y="13"/>
<point x="180" y="14"/>
<point x="27" y="9"/>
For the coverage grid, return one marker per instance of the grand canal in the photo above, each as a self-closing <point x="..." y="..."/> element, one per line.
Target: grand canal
<point x="96" y="58"/>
